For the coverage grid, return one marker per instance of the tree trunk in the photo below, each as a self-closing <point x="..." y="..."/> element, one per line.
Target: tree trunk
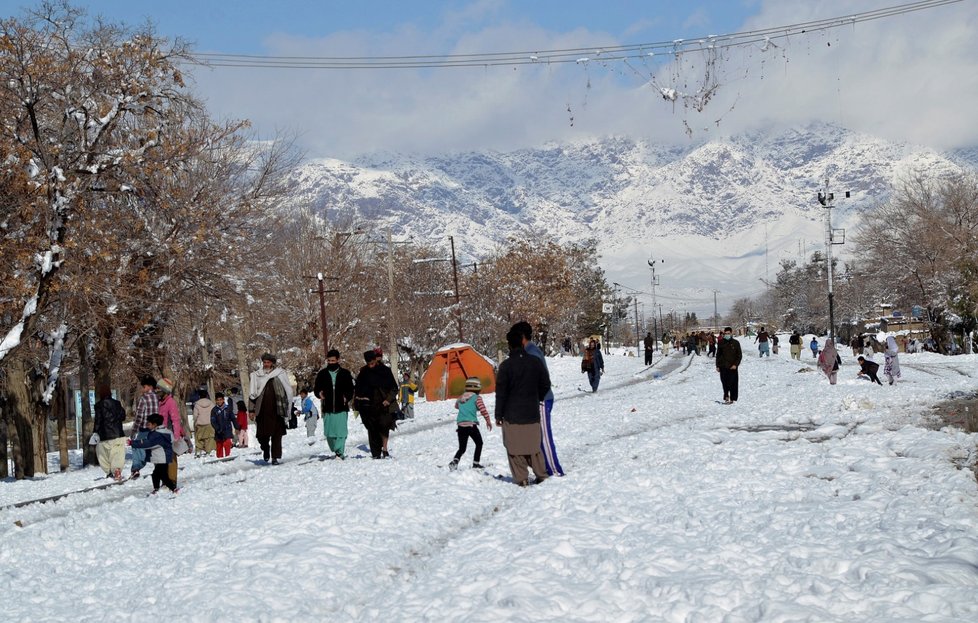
<point x="22" y="433"/>
<point x="61" y="410"/>
<point x="4" y="458"/>
<point x="88" y="424"/>
<point x="239" y="352"/>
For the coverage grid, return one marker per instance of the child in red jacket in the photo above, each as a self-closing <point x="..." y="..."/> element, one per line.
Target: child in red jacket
<point x="242" y="425"/>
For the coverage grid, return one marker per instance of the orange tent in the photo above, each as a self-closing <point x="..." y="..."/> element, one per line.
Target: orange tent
<point x="445" y="377"/>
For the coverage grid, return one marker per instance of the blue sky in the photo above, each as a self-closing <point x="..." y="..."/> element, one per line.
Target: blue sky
<point x="241" y="26"/>
<point x="909" y="78"/>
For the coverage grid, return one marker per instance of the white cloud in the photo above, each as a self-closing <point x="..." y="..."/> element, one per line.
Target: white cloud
<point x="912" y="77"/>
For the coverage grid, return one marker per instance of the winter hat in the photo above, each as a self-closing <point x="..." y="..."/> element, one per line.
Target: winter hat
<point x="369" y="356"/>
<point x="165" y="385"/>
<point x="269" y="357"/>
<point x="473" y="385"/>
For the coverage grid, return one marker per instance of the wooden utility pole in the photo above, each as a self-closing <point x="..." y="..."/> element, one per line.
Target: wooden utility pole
<point x="458" y="298"/>
<point x="322" y="316"/>
<point x="391" y="326"/>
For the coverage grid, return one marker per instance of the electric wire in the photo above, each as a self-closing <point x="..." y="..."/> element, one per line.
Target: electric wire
<point x="579" y="55"/>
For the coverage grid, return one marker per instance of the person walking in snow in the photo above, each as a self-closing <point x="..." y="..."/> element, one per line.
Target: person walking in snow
<point x="869" y="368"/>
<point x="522" y="382"/>
<point x="374" y="396"/>
<point x="547" y="446"/>
<point x="147" y="404"/>
<point x="470" y="406"/>
<point x="111" y="446"/>
<point x="774" y="344"/>
<point x="407" y="390"/>
<point x="310" y="414"/>
<point x="763" y="347"/>
<point x="271" y="402"/>
<point x="891" y="358"/>
<point x="203" y="431"/>
<point x="334" y="388"/>
<point x="649" y="344"/>
<point x="159" y="443"/>
<point x="794" y="345"/>
<point x="593" y="364"/>
<point x="829" y="361"/>
<point x="223" y="421"/>
<point x="814" y="346"/>
<point x="172" y="422"/>
<point x="242" y="426"/>
<point x="729" y="356"/>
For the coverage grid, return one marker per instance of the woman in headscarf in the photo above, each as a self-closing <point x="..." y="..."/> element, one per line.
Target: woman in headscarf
<point x="891" y="360"/>
<point x="829" y="361"/>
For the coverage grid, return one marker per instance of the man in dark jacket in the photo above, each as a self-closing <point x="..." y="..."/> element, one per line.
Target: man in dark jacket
<point x="111" y="447"/>
<point x="869" y="368"/>
<point x="375" y="393"/>
<point x="334" y="387"/>
<point x="521" y="384"/>
<point x="728" y="360"/>
<point x="649" y="344"/>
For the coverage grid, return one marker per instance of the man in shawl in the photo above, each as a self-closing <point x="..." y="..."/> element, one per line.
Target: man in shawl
<point x="271" y="401"/>
<point x="376" y="392"/>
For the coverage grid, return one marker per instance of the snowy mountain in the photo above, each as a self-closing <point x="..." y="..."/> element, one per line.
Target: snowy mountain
<point x="721" y="214"/>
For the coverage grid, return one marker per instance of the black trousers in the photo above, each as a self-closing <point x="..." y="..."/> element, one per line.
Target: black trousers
<point x="872" y="377"/>
<point x="648" y="357"/>
<point x="273" y="442"/>
<point x="464" y="432"/>
<point x="161" y="475"/>
<point x="379" y="425"/>
<point x="729" y="379"/>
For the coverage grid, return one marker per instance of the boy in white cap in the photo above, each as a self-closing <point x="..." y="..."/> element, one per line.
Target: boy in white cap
<point x="470" y="406"/>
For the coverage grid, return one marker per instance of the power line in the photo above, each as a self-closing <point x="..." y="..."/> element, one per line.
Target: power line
<point x="580" y="55"/>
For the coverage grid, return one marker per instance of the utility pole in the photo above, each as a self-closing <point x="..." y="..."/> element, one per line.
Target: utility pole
<point x="638" y="332"/>
<point x="458" y="298"/>
<point x="655" y="282"/>
<point x="322" y="311"/>
<point x="832" y="236"/>
<point x="716" y="316"/>
<point x="391" y="327"/>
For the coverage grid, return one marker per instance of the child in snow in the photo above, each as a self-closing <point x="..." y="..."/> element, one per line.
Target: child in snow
<point x="869" y="368"/>
<point x="224" y="422"/>
<point x="310" y="414"/>
<point x="470" y="406"/>
<point x="242" y="424"/>
<point x="159" y="441"/>
<point x="814" y="347"/>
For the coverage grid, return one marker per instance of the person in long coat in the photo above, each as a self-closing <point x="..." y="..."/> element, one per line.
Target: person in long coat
<point x="375" y="396"/>
<point x="729" y="356"/>
<point x="271" y="397"/>
<point x="829" y="361"/>
<point x="521" y="384"/>
<point x="334" y="387"/>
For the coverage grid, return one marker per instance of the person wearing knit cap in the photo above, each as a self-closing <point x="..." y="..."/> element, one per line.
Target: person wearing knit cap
<point x="271" y="401"/>
<point x="375" y="398"/>
<point x="470" y="406"/>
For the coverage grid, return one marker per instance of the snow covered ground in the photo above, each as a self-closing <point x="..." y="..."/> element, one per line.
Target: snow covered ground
<point x="802" y="502"/>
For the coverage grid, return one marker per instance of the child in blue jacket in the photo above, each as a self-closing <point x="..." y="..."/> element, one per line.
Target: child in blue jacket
<point x="159" y="441"/>
<point x="470" y="406"/>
